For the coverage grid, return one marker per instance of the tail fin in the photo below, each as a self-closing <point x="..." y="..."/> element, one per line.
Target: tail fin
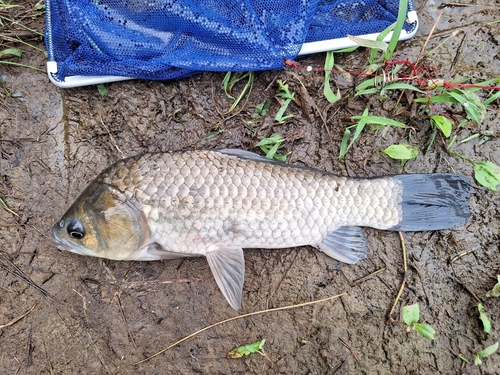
<point x="433" y="201"/>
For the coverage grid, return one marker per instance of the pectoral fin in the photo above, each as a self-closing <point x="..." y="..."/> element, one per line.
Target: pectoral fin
<point x="347" y="244"/>
<point x="156" y="251"/>
<point x="228" y="267"/>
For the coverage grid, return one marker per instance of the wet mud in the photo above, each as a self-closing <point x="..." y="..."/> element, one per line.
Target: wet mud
<point x="99" y="316"/>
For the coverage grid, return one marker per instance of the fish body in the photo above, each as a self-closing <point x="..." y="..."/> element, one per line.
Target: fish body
<point x="215" y="203"/>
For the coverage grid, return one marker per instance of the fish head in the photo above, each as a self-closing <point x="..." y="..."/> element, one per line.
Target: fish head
<point x="103" y="223"/>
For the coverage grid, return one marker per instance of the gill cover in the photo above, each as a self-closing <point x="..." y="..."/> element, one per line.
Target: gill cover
<point x="120" y="227"/>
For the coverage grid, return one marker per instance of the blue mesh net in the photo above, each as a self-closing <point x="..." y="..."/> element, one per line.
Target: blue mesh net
<point x="167" y="39"/>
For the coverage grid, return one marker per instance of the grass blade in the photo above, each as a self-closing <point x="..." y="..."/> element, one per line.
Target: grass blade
<point x="378" y="120"/>
<point x="327" y="90"/>
<point x="403" y="10"/>
<point x="401" y="86"/>
<point x="369" y="43"/>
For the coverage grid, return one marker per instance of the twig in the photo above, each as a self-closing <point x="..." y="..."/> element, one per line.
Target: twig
<point x="462" y="254"/>
<point x="112" y="138"/>
<point x="30" y="349"/>
<point x="21" y="275"/>
<point x="23" y="66"/>
<point x="348" y="347"/>
<point x="125" y="320"/>
<point x="236" y="318"/>
<point x="403" y="282"/>
<point x="364" y="278"/>
<point x="459" y="49"/>
<point x="428" y="37"/>
<point x="7" y="208"/>
<point x="15" y="320"/>
<point x="284" y="275"/>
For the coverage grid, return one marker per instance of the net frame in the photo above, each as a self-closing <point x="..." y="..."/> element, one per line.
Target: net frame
<point x="307" y="48"/>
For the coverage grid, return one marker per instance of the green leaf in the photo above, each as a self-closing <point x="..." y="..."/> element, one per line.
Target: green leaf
<point x="261" y="109"/>
<point x="470" y="138"/>
<point x="271" y="140"/>
<point x="452" y="140"/>
<point x="101" y="89"/>
<point x="401" y="152"/>
<point x="463" y="358"/>
<point x="369" y="43"/>
<point x="226" y="85"/>
<point x="288" y="96"/>
<point x="367" y="92"/>
<point x="280" y="157"/>
<point x="346" y="50"/>
<point x="280" y="116"/>
<point x="271" y="153"/>
<point x="366" y="84"/>
<point x="425" y="330"/>
<point x="473" y="106"/>
<point x="443" y="123"/>
<point x="410" y="314"/>
<point x="327" y="90"/>
<point x="379" y="120"/>
<point x="488" y="82"/>
<point x="284" y="91"/>
<point x="270" y="146"/>
<point x="401" y="86"/>
<point x="492" y="98"/>
<point x="484" y="318"/>
<point x="488" y="351"/>
<point x="230" y="80"/>
<point x="247" y="349"/>
<point x="398" y="27"/>
<point x="495" y="292"/>
<point x="359" y="128"/>
<point x="211" y="135"/>
<point x="380" y="37"/>
<point x="344" y="146"/>
<point x="477" y="360"/>
<point x="487" y="174"/>
<point x="442" y="98"/>
<point x="11" y="52"/>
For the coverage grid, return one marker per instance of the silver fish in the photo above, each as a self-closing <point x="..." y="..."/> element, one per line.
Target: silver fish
<point x="215" y="203"/>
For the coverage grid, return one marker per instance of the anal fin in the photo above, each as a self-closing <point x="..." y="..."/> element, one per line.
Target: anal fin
<point x="346" y="244"/>
<point x="228" y="268"/>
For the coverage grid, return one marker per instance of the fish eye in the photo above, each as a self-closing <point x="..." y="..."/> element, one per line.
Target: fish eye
<point x="75" y="229"/>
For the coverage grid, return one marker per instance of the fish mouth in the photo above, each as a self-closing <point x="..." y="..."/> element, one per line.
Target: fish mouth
<point x="60" y="243"/>
<point x="62" y="246"/>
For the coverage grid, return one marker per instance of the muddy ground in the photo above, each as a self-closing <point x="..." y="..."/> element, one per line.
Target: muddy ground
<point x="53" y="142"/>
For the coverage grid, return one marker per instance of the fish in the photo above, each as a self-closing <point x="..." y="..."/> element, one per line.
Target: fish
<point x="215" y="203"/>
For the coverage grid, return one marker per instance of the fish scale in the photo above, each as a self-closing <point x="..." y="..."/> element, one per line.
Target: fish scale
<point x="208" y="197"/>
<point x="215" y="203"/>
